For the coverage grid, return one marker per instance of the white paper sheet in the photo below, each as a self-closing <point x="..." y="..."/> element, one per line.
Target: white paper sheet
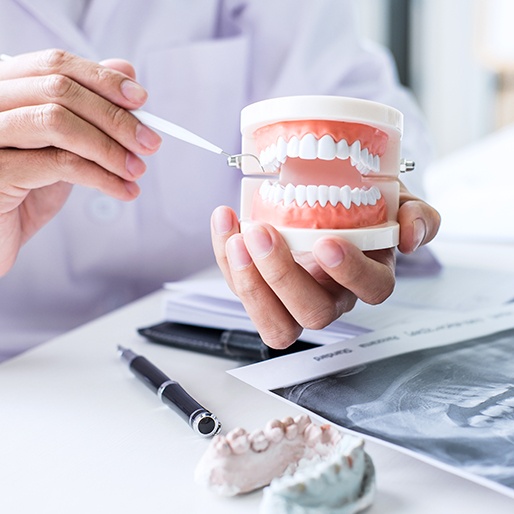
<point x="211" y="303"/>
<point x="208" y="301"/>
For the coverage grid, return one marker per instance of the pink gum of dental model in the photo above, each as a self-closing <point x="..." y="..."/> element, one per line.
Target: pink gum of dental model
<point x="241" y="462"/>
<point x="331" y="169"/>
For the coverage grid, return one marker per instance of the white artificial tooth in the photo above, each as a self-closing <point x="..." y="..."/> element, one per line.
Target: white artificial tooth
<point x="312" y="195"/>
<point x="293" y="147"/>
<point x="281" y="150"/>
<point x="269" y="167"/>
<point x="308" y="147"/>
<point x="271" y="192"/>
<point x="345" y="194"/>
<point x="278" y="193"/>
<point x="376" y="193"/>
<point x="343" y="152"/>
<point x="364" y="197"/>
<point x="326" y="148"/>
<point x="333" y="195"/>
<point x="355" y="152"/>
<point x="370" y="162"/>
<point x="356" y="196"/>
<point x="323" y="195"/>
<point x="289" y="194"/>
<point x="376" y="163"/>
<point x="371" y="159"/>
<point x="361" y="168"/>
<point x="272" y="153"/>
<point x="364" y="157"/>
<point x="300" y="195"/>
<point x="264" y="156"/>
<point x="370" y="195"/>
<point x="264" y="189"/>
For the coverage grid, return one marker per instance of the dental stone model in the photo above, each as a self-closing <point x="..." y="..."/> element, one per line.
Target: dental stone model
<point x="341" y="483"/>
<point x="331" y="168"/>
<point x="308" y="465"/>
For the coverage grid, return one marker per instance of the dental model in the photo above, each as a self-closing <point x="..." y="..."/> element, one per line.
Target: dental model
<point x="306" y="464"/>
<point x="331" y="167"/>
<point x="341" y="483"/>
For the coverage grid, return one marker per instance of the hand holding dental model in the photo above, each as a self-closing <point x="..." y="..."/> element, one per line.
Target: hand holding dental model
<point x="66" y="120"/>
<point x="330" y="189"/>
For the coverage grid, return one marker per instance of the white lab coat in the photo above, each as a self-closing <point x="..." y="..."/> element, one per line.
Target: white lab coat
<point x="201" y="61"/>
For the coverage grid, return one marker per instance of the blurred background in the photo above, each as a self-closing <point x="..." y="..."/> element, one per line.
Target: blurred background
<point x="457" y="58"/>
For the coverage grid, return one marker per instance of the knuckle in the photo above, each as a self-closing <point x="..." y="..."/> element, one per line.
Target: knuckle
<point x="247" y="290"/>
<point x="277" y="276"/>
<point x="318" y="317"/>
<point x="51" y="117"/>
<point x="65" y="160"/>
<point x="381" y="295"/>
<point x="54" y="59"/>
<point x="102" y="74"/>
<point x="57" y="86"/>
<point x="353" y="273"/>
<point x="117" y="116"/>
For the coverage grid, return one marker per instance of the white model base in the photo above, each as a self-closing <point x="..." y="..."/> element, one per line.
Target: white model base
<point x="377" y="237"/>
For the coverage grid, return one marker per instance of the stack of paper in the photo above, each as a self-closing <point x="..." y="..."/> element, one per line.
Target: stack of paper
<point x="206" y="300"/>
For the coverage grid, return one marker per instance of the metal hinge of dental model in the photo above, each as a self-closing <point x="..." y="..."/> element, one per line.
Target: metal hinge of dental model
<point x="406" y="165"/>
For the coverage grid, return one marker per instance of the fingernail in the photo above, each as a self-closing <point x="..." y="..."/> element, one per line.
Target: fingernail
<point x="133" y="92"/>
<point x="132" y="188"/>
<point x="147" y="137"/>
<point x="419" y="232"/>
<point x="221" y="221"/>
<point x="329" y="253"/>
<point x="259" y="241"/>
<point x="135" y="166"/>
<point x="237" y="254"/>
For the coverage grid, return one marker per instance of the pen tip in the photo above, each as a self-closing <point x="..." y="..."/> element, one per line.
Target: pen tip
<point x="121" y="349"/>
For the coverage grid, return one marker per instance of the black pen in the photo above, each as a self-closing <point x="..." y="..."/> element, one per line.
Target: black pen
<point x="172" y="394"/>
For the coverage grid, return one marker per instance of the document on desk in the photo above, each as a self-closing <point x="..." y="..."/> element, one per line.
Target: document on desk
<point x="441" y="390"/>
<point x="208" y="301"/>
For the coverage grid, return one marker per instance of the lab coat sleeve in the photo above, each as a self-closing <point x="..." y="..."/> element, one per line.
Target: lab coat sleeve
<point x="313" y="47"/>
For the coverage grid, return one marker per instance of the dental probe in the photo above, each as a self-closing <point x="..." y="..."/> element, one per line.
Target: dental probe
<point x="179" y="132"/>
<point x="183" y="134"/>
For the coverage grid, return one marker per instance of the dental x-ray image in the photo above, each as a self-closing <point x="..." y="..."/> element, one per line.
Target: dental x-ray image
<point x="454" y="404"/>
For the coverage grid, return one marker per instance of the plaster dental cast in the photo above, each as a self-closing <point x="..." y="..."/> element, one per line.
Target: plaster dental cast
<point x="308" y="468"/>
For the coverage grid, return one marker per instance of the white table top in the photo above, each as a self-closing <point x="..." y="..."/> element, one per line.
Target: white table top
<point x="80" y="434"/>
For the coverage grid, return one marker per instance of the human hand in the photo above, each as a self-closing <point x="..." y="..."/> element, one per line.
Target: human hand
<point x="64" y="120"/>
<point x="284" y="292"/>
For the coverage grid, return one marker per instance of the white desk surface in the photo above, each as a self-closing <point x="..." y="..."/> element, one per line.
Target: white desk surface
<point x="80" y="434"/>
